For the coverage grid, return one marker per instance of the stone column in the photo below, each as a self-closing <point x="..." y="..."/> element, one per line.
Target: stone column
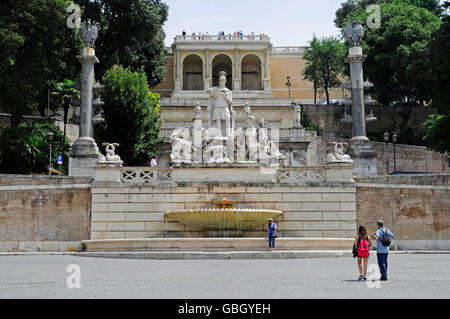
<point x="266" y="71"/>
<point x="177" y="71"/>
<point x="84" y="152"/>
<point x="356" y="58"/>
<point x="207" y="66"/>
<point x="237" y="75"/>
<point x="362" y="151"/>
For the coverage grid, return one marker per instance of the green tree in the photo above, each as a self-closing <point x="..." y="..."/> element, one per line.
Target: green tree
<point x="25" y="149"/>
<point x="397" y="56"/>
<point x="67" y="93"/>
<point x="39" y="48"/>
<point x="324" y="63"/>
<point x="437" y="132"/>
<point x="132" y="116"/>
<point x="350" y="6"/>
<point x="131" y="34"/>
<point x="312" y="74"/>
<point x="307" y="123"/>
<point x="437" y="127"/>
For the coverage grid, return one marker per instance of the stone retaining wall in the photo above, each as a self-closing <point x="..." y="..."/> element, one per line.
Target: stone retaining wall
<point x="415" y="208"/>
<point x="139" y="211"/>
<point x="44" y="208"/>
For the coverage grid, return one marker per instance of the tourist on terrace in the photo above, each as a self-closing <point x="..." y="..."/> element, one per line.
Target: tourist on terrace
<point x="154" y="162"/>
<point x="361" y="251"/>
<point x="273" y="233"/>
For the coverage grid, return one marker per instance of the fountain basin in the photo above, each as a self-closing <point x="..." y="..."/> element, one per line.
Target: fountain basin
<point x="224" y="218"/>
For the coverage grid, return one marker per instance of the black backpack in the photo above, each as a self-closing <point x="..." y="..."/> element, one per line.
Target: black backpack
<point x="385" y="239"/>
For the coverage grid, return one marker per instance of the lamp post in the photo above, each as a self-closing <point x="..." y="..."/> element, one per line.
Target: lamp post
<point x="386" y="136"/>
<point x="394" y="140"/>
<point x="153" y="80"/>
<point x="288" y="84"/>
<point x="50" y="140"/>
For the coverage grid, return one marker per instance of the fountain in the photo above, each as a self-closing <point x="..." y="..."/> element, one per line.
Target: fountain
<point x="225" y="178"/>
<point x="224" y="217"/>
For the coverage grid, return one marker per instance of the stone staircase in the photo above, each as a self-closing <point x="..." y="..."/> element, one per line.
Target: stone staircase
<point x="214" y="244"/>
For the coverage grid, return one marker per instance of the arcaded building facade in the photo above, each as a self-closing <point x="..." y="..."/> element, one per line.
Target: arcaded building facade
<point x="255" y="68"/>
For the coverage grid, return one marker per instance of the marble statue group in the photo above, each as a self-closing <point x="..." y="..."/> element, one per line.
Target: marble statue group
<point x="221" y="142"/>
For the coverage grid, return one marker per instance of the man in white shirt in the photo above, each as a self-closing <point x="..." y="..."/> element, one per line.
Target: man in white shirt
<point x="153" y="162"/>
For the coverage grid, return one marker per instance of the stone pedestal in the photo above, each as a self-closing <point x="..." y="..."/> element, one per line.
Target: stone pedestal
<point x="107" y="173"/>
<point x="177" y="85"/>
<point x="364" y="156"/>
<point x="237" y="84"/>
<point x="83" y="157"/>
<point x="266" y="84"/>
<point x="298" y="132"/>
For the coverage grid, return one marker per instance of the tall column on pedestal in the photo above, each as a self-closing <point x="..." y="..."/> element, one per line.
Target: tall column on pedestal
<point x="84" y="152"/>
<point x="362" y="152"/>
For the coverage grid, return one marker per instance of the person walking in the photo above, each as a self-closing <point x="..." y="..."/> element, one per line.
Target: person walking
<point x="273" y="233"/>
<point x="361" y="251"/>
<point x="153" y="162"/>
<point x="383" y="237"/>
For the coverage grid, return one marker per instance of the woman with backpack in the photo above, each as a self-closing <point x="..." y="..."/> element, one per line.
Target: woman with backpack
<point x="361" y="251"/>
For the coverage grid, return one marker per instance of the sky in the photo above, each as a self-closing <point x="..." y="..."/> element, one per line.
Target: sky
<point x="287" y="22"/>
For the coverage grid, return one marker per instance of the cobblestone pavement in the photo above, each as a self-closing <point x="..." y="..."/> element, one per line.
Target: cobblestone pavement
<point x="410" y="276"/>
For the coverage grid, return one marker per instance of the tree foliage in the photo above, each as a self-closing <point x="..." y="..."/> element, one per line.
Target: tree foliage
<point x="437" y="127"/>
<point x="66" y="92"/>
<point x="132" y="116"/>
<point x="131" y="34"/>
<point x="25" y="149"/>
<point x="325" y="63"/>
<point x="397" y="56"/>
<point x="437" y="134"/>
<point x="434" y="6"/>
<point x="306" y="122"/>
<point x="37" y="47"/>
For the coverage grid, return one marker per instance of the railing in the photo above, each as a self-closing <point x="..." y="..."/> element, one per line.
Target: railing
<point x="144" y="174"/>
<point x="229" y="37"/>
<point x="298" y="175"/>
<point x="288" y="49"/>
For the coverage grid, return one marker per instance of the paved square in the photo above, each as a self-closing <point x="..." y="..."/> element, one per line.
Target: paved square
<point x="411" y="276"/>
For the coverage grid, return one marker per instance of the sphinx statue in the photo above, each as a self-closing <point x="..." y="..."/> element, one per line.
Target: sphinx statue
<point x="339" y="155"/>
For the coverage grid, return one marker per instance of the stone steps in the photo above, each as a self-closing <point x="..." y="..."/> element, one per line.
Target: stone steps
<point x="214" y="244"/>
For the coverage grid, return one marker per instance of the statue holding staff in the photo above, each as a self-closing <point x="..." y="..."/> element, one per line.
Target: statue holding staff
<point x="220" y="108"/>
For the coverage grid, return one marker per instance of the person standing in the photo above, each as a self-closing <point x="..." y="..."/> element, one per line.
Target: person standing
<point x="383" y="237"/>
<point x="273" y="233"/>
<point x="361" y="251"/>
<point x="154" y="162"/>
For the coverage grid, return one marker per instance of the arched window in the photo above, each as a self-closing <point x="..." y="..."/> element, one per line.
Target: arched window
<point x="251" y="77"/>
<point x="222" y="62"/>
<point x="192" y="73"/>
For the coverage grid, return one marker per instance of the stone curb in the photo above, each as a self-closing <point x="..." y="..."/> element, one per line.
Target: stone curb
<point x="212" y="255"/>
